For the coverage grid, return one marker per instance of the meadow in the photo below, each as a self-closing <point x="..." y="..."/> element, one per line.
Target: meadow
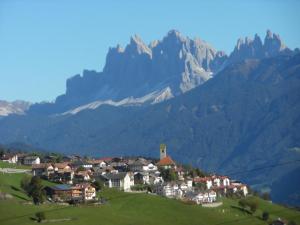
<point x="130" y="209"/>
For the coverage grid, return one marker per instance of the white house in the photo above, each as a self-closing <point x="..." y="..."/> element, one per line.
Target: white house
<point x="98" y="163"/>
<point x="216" y="181"/>
<point x="10" y="158"/>
<point x="150" y="167"/>
<point x="42" y="169"/>
<point x="203" y="197"/>
<point x="225" y="181"/>
<point x="155" y="179"/>
<point x="172" y="190"/>
<point x="121" y="180"/>
<point x="204" y="180"/>
<point x="32" y="160"/>
<point x="141" y="178"/>
<point x="88" y="191"/>
<point x="189" y="183"/>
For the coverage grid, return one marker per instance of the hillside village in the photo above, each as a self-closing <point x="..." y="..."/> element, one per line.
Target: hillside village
<point x="76" y="176"/>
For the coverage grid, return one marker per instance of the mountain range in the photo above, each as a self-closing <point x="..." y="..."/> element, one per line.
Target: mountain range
<point x="15" y="107"/>
<point x="223" y="113"/>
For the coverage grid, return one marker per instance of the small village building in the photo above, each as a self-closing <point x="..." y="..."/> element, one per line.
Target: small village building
<point x="31" y="160"/>
<point x="82" y="163"/>
<point x="61" y="192"/>
<point x="202" y="197"/>
<point x="189" y="183"/>
<point x="180" y="172"/>
<point x="172" y="189"/>
<point x="141" y="178"/>
<point x="64" y="192"/>
<point x="207" y="181"/>
<point x="225" y="180"/>
<point x="121" y="180"/>
<point x="155" y="179"/>
<point x="10" y="158"/>
<point x="82" y="176"/>
<point x="62" y="177"/>
<point x="216" y="181"/>
<point x="88" y="192"/>
<point x="137" y="165"/>
<point x="42" y="169"/>
<point x="98" y="163"/>
<point x="150" y="167"/>
<point x="62" y="167"/>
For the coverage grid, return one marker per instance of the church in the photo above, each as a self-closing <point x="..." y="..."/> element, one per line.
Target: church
<point x="165" y="161"/>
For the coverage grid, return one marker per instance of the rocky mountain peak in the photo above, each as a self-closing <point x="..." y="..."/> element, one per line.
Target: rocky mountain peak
<point x="273" y="44"/>
<point x="247" y="48"/>
<point x="16" y="107"/>
<point x="137" y="45"/>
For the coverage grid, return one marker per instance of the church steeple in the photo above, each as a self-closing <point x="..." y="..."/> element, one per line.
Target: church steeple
<point x="163" y="151"/>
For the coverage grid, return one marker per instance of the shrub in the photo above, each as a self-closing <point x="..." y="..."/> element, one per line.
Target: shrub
<point x="292" y="222"/>
<point x="265" y="215"/>
<point x="253" y="206"/>
<point x="34" y="189"/>
<point x="266" y="196"/>
<point x="40" y="216"/>
<point x="98" y="185"/>
<point x="242" y="203"/>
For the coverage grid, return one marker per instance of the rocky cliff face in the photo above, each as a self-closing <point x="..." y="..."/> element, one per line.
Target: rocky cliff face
<point x="247" y="48"/>
<point x="176" y="62"/>
<point x="15" y="107"/>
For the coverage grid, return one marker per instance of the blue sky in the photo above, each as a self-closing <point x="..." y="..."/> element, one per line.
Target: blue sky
<point x="42" y="43"/>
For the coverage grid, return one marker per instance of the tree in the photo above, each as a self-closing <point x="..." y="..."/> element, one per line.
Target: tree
<point x="242" y="203"/>
<point x="253" y="206"/>
<point x="168" y="174"/>
<point x="34" y="189"/>
<point x="80" y="168"/>
<point x="266" y="196"/>
<point x="98" y="185"/>
<point x="265" y="215"/>
<point x="40" y="216"/>
<point x="25" y="183"/>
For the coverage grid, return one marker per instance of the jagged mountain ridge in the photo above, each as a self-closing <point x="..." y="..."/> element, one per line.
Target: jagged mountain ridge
<point x="15" y="107"/>
<point x="176" y="63"/>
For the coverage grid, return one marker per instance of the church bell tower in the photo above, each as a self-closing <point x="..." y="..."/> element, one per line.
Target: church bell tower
<point x="163" y="151"/>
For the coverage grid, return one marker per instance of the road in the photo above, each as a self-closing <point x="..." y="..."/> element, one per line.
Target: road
<point x="13" y="170"/>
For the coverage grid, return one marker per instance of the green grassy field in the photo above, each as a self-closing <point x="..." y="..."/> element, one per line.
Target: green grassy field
<point x="13" y="165"/>
<point x="131" y="209"/>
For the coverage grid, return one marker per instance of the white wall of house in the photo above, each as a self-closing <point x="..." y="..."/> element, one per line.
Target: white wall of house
<point x="89" y="193"/>
<point x="127" y="183"/>
<point x="217" y="182"/>
<point x="226" y="182"/>
<point x="209" y="184"/>
<point x="150" y="167"/>
<point x="189" y="183"/>
<point x="32" y="161"/>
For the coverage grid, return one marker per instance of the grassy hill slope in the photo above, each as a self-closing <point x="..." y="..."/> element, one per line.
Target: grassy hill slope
<point x="130" y="209"/>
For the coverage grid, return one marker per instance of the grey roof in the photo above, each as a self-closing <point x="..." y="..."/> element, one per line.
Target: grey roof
<point x="31" y="157"/>
<point x="80" y="163"/>
<point x="113" y="176"/>
<point x="61" y="187"/>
